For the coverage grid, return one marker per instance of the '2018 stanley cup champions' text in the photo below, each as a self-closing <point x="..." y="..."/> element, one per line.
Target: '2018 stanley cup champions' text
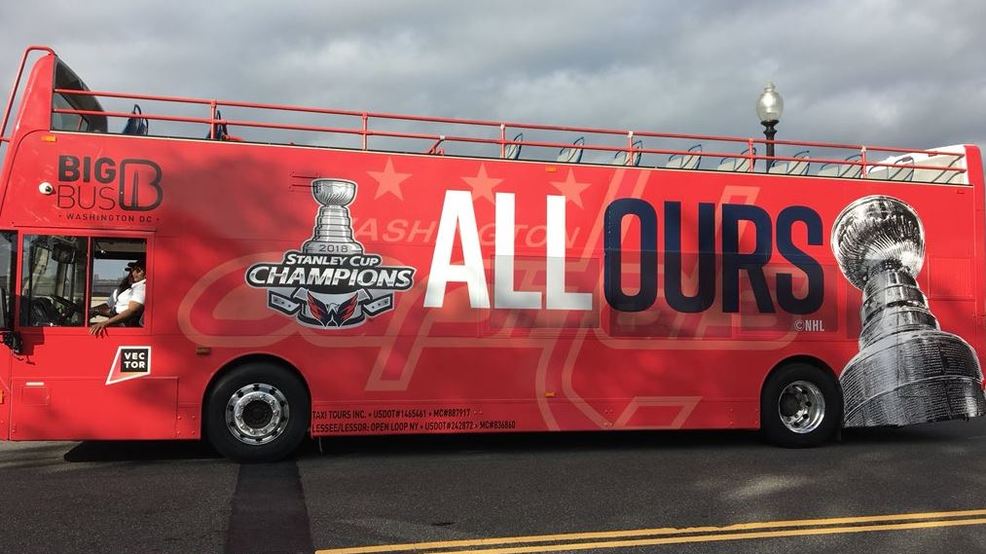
<point x="331" y="282"/>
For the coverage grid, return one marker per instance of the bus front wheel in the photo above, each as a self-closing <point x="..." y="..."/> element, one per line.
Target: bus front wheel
<point x="801" y="406"/>
<point x="257" y="413"/>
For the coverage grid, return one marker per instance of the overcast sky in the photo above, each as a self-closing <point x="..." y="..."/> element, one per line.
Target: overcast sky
<point x="859" y="71"/>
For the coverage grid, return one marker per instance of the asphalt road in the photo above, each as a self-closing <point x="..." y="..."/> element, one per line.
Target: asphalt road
<point x="615" y="492"/>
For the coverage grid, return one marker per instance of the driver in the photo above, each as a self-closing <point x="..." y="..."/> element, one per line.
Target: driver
<point x="126" y="302"/>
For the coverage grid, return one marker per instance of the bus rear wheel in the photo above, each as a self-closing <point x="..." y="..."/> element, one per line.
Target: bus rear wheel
<point x="800" y="406"/>
<point x="257" y="413"/>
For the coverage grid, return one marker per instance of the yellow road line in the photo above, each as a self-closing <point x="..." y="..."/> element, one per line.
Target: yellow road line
<point x="725" y="537"/>
<point x="668" y="534"/>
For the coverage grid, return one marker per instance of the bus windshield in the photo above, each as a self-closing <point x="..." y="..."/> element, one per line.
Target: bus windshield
<point x="65" y="78"/>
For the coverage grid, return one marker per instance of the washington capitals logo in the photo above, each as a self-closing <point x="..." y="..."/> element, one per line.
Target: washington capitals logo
<point x="334" y="315"/>
<point x="331" y="282"/>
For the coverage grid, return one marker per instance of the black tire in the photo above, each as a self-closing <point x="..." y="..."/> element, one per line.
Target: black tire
<point x="801" y="385"/>
<point x="257" y="390"/>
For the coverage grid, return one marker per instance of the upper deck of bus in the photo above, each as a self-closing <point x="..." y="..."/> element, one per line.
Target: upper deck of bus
<point x="54" y="98"/>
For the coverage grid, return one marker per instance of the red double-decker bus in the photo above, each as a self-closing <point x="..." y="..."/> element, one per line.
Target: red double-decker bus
<point x="178" y="268"/>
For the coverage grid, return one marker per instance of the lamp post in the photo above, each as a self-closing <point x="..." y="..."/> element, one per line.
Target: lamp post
<point x="770" y="105"/>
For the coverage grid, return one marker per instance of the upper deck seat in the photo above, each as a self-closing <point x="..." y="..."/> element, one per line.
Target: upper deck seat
<point x="741" y="163"/>
<point x="692" y="160"/>
<point x="944" y="175"/>
<point x="853" y="171"/>
<point x="220" y="131"/>
<point x="901" y="170"/>
<point x="621" y="157"/>
<point x="573" y="153"/>
<point x="846" y="171"/>
<point x="797" y="167"/>
<point x="136" y="125"/>
<point x="512" y="151"/>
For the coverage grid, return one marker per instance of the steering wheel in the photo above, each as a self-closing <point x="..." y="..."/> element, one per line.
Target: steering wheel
<point x="71" y="308"/>
<point x="42" y="312"/>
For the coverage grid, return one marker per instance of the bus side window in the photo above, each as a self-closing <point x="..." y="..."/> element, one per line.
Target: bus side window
<point x="8" y="251"/>
<point x="68" y="121"/>
<point x="54" y="281"/>
<point x="111" y="281"/>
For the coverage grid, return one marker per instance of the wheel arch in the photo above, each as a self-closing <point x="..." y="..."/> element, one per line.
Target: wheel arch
<point x="241" y="361"/>
<point x="803" y="359"/>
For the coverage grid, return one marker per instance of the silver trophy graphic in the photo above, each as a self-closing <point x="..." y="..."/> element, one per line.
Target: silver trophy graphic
<point x="907" y="369"/>
<point x="333" y="232"/>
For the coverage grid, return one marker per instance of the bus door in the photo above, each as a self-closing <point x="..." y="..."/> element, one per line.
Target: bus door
<point x="66" y="382"/>
<point x="8" y="255"/>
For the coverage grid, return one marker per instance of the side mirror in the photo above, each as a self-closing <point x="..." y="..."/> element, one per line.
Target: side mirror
<point x="63" y="253"/>
<point x="13" y="341"/>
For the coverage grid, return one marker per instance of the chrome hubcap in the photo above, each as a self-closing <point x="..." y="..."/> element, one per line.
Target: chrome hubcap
<point x="257" y="413"/>
<point x="801" y="407"/>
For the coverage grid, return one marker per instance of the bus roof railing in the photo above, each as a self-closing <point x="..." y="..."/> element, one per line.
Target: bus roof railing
<point x="945" y="161"/>
<point x="17" y="83"/>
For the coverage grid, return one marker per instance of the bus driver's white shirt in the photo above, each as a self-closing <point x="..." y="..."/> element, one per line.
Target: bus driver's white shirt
<point x="121" y="301"/>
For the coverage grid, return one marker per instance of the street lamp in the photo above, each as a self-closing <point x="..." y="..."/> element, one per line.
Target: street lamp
<point x="770" y="105"/>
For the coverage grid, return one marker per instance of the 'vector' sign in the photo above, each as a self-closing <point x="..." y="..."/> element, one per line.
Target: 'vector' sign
<point x="130" y="362"/>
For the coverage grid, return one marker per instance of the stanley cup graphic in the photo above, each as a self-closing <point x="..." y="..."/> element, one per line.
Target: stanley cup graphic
<point x="907" y="370"/>
<point x="333" y="232"/>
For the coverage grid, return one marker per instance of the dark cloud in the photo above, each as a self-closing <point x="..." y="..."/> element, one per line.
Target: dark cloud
<point x="883" y="72"/>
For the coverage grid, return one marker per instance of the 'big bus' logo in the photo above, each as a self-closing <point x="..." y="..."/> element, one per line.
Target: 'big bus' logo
<point x="131" y="184"/>
<point x="331" y="282"/>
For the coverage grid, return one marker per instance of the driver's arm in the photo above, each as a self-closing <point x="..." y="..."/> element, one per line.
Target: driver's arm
<point x="99" y="328"/>
<point x="102" y="309"/>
